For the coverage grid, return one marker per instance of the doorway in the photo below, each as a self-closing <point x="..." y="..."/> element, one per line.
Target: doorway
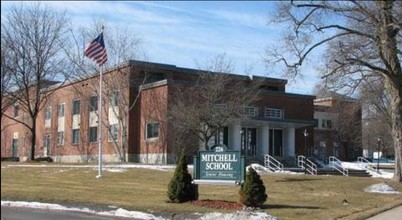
<point x="275" y="142"/>
<point x="249" y="141"/>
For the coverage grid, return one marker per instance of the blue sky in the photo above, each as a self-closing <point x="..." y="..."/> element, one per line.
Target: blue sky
<point x="184" y="32"/>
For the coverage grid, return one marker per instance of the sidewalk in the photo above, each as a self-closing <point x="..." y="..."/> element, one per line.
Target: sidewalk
<point x="391" y="214"/>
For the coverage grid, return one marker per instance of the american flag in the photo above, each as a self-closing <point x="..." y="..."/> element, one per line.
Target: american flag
<point x="96" y="50"/>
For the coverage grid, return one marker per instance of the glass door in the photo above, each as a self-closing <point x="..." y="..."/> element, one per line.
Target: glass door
<point x="275" y="142"/>
<point x="249" y="141"/>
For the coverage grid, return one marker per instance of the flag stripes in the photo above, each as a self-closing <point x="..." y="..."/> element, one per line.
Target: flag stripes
<point x="96" y="50"/>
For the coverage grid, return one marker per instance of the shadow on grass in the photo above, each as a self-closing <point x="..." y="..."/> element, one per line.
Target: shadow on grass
<point x="296" y="180"/>
<point x="278" y="206"/>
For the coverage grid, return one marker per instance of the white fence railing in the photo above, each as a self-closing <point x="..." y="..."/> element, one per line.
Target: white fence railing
<point x="307" y="164"/>
<point x="367" y="165"/>
<point x="273" y="164"/>
<point x="336" y="164"/>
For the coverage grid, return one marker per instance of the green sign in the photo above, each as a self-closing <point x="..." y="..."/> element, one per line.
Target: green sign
<point x="219" y="164"/>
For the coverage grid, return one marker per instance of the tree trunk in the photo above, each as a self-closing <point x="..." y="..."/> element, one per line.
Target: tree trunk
<point x="396" y="114"/>
<point x="33" y="139"/>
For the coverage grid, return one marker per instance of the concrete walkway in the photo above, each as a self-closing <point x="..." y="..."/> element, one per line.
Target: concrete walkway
<point x="395" y="213"/>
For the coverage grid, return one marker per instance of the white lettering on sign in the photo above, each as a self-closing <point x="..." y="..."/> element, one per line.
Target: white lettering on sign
<point x="219" y="158"/>
<point x="218" y="166"/>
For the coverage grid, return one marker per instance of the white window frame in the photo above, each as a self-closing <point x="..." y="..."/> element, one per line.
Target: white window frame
<point x="60" y="138"/>
<point x="249" y="111"/>
<point x="113" y="131"/>
<point x="114" y="98"/>
<point x="273" y="113"/>
<point x="89" y="135"/>
<point x="79" y="107"/>
<point x="153" y="124"/>
<point x="60" y="110"/>
<point x="16" y="110"/>
<point x="77" y="131"/>
<point x="93" y="107"/>
<point x="48" y="113"/>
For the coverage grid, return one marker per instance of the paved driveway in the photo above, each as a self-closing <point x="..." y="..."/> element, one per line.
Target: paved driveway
<point x="395" y="213"/>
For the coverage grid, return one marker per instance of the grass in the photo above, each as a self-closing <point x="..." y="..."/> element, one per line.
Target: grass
<point x="289" y="196"/>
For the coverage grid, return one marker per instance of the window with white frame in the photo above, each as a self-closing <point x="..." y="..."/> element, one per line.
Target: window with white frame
<point x="93" y="134"/>
<point x="60" y="110"/>
<point x="93" y="103"/>
<point x="114" y="98"/>
<point x="76" y="136"/>
<point x="48" y="112"/>
<point x="152" y="130"/>
<point x="76" y="107"/>
<point x="273" y="113"/>
<point x="249" y="111"/>
<point x="60" y="138"/>
<point x="113" y="132"/>
<point x="16" y="110"/>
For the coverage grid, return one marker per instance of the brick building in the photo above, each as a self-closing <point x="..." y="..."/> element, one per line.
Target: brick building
<point x="338" y="128"/>
<point x="137" y="96"/>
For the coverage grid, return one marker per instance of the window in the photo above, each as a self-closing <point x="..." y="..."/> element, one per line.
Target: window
<point x="114" y="96"/>
<point x="315" y="123"/>
<point x="48" y="111"/>
<point x="60" y="110"/>
<point x="273" y="113"/>
<point x="93" y="134"/>
<point x="329" y="124"/>
<point x="152" y="130"/>
<point x="113" y="132"/>
<point x="76" y="136"/>
<point x="60" y="138"/>
<point x="249" y="111"/>
<point x="16" y="110"/>
<point x="93" y="103"/>
<point x="76" y="107"/>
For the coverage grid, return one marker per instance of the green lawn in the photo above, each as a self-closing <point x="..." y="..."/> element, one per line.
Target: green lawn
<point x="289" y="196"/>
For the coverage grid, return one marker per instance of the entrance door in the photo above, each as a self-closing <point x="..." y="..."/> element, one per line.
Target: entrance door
<point x="47" y="145"/>
<point x="249" y="141"/>
<point x="275" y="142"/>
<point x="15" y="148"/>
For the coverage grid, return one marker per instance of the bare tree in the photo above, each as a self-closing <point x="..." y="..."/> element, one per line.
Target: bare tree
<point x="6" y="83"/>
<point x="377" y="121"/>
<point x="121" y="45"/>
<point x="212" y="101"/>
<point x="345" y="122"/>
<point x="363" y="40"/>
<point x="34" y="37"/>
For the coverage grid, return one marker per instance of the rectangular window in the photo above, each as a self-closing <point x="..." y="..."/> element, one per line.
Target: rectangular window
<point x="76" y="136"/>
<point x="273" y="113"/>
<point x="48" y="111"/>
<point x="316" y="123"/>
<point x="93" y="105"/>
<point x="329" y="124"/>
<point x="114" y="97"/>
<point x="93" y="134"/>
<point x="60" y="138"/>
<point x="249" y="111"/>
<point x="76" y="107"/>
<point x="113" y="132"/>
<point x="152" y="130"/>
<point x="16" y="110"/>
<point x="60" y="110"/>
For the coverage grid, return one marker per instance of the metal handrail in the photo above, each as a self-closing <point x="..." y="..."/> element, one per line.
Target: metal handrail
<point x="311" y="167"/>
<point x="307" y="164"/>
<point x="273" y="164"/>
<point x="369" y="166"/>
<point x="336" y="164"/>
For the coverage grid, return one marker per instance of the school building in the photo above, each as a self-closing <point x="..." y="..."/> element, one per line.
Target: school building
<point x="137" y="96"/>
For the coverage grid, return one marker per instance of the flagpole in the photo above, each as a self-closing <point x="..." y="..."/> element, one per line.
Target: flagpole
<point x="100" y="123"/>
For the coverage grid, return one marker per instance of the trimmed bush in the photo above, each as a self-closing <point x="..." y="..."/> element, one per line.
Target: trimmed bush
<point x="252" y="191"/>
<point x="180" y="188"/>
